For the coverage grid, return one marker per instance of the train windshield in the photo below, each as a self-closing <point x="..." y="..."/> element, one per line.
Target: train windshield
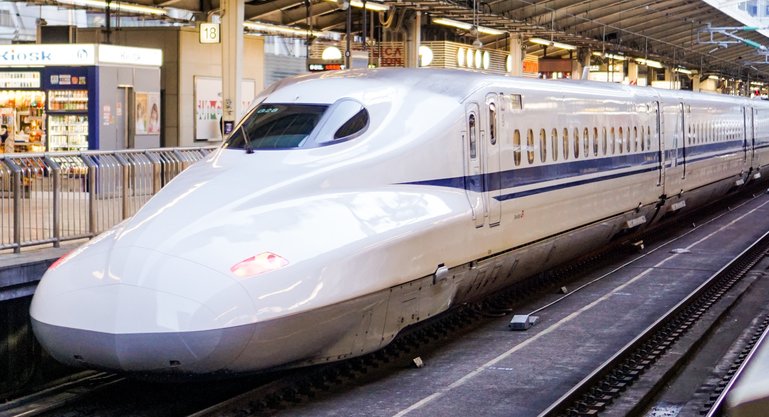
<point x="277" y="126"/>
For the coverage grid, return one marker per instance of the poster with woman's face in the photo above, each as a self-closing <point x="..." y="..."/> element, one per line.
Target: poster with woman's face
<point x="141" y="112"/>
<point x="153" y="113"/>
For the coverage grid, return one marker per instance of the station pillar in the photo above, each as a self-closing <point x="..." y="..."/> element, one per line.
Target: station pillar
<point x="516" y="54"/>
<point x="232" y="62"/>
<point x="414" y="40"/>
<point x="578" y="65"/>
<point x="632" y="73"/>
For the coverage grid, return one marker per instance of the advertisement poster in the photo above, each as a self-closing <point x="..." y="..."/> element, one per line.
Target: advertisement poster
<point x="208" y="105"/>
<point x="147" y="113"/>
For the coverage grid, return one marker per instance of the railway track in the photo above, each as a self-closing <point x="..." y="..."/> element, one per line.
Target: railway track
<point x="596" y="392"/>
<point x="48" y="400"/>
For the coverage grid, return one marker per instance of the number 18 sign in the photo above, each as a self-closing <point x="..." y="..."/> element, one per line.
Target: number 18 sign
<point x="209" y="33"/>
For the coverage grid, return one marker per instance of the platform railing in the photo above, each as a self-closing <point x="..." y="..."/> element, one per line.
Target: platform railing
<point x="50" y="198"/>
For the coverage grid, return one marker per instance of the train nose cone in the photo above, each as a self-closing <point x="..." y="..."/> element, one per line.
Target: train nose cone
<point x="142" y="314"/>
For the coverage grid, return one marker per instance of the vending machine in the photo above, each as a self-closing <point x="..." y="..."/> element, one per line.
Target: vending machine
<point x="72" y="95"/>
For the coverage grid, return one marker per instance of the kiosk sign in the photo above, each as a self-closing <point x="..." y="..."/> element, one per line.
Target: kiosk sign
<point x="47" y="54"/>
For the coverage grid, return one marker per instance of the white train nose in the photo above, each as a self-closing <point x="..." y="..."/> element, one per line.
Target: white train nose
<point x="144" y="313"/>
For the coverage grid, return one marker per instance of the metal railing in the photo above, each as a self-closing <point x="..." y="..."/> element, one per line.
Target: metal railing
<point x="55" y="197"/>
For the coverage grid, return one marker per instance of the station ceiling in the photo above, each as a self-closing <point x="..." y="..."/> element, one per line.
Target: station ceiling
<point x="676" y="32"/>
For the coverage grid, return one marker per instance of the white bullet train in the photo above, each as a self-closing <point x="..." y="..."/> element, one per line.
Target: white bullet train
<point x="349" y="205"/>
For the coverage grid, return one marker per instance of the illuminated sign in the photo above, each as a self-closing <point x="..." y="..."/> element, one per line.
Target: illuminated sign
<point x="209" y="33"/>
<point x="324" y="67"/>
<point x="77" y="54"/>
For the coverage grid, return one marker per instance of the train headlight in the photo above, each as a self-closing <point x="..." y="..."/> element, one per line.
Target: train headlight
<point x="258" y="264"/>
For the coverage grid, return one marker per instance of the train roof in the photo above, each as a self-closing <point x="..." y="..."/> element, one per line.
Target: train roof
<point x="460" y="84"/>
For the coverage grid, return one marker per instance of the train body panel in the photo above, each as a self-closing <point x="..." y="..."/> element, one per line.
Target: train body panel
<point x="348" y="206"/>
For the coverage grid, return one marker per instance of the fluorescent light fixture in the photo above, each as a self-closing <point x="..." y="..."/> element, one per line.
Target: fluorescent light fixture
<point x="116" y="6"/>
<point x="610" y="56"/>
<point x="713" y="77"/>
<point x="683" y="71"/>
<point x="370" y="5"/>
<point x="466" y="26"/>
<point x="648" y="63"/>
<point x="285" y="30"/>
<point x="546" y="42"/>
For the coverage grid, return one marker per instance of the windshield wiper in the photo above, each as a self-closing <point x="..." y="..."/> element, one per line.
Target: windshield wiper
<point x="248" y="147"/>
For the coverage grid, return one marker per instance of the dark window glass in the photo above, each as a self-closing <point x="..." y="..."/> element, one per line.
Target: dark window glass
<point x="276" y="126"/>
<point x="356" y="124"/>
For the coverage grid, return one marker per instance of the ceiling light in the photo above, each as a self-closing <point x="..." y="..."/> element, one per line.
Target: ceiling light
<point x="466" y="26"/>
<point x="370" y="5"/>
<point x="648" y="62"/>
<point x="546" y="42"/>
<point x="610" y="56"/>
<point x="116" y="6"/>
<point x="286" y="30"/>
<point x="683" y="71"/>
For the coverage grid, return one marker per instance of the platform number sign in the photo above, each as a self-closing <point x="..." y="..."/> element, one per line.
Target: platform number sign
<point x="209" y="33"/>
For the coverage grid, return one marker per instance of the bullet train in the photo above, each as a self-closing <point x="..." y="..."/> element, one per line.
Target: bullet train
<point x="347" y="206"/>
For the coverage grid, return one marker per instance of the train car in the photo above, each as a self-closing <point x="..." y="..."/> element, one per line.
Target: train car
<point x="347" y="206"/>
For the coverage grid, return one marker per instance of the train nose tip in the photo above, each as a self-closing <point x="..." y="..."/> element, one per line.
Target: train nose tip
<point x="201" y="352"/>
<point x="146" y="313"/>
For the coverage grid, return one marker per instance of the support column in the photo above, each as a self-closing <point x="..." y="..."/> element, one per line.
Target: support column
<point x="696" y="82"/>
<point x="578" y="65"/>
<point x="632" y="72"/>
<point x="232" y="59"/>
<point x="414" y="40"/>
<point x="516" y="54"/>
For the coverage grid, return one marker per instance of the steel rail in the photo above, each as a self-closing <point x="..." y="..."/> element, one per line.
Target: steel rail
<point x="600" y="395"/>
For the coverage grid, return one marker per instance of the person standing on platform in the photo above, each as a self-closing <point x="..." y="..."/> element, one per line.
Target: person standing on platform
<point x="7" y="140"/>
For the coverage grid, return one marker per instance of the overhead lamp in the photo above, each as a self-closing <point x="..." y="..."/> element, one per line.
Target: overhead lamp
<point x="331" y="53"/>
<point x="683" y="71"/>
<point x="546" y="42"/>
<point x="425" y="55"/>
<point x="713" y="77"/>
<point x="467" y="26"/>
<point x="648" y="62"/>
<point x="116" y="6"/>
<point x="370" y="5"/>
<point x="610" y="56"/>
<point x="286" y="30"/>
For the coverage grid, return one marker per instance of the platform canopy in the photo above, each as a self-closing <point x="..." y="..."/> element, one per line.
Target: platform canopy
<point x="699" y="35"/>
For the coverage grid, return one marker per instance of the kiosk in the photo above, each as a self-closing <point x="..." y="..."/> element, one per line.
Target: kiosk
<point x="80" y="96"/>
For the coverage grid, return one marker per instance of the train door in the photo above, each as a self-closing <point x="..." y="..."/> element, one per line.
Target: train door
<point x="748" y="142"/>
<point x="658" y="137"/>
<point x="474" y="186"/>
<point x="491" y="168"/>
<point x="681" y="138"/>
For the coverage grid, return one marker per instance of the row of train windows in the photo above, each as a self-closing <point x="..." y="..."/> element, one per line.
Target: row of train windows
<point x="707" y="133"/>
<point x="612" y="141"/>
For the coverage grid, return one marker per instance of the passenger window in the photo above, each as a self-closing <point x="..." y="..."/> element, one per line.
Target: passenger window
<point x="586" y="142"/>
<point x="595" y="141"/>
<point x="643" y="140"/>
<point x="635" y="138"/>
<point x="517" y="147"/>
<point x="554" y="141"/>
<point x="627" y="140"/>
<point x="604" y="145"/>
<point x="565" y="144"/>
<point x="530" y="146"/>
<point x="471" y="134"/>
<point x="576" y="143"/>
<point x="613" y="141"/>
<point x="542" y="145"/>
<point x="648" y="138"/>
<point x="492" y="123"/>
